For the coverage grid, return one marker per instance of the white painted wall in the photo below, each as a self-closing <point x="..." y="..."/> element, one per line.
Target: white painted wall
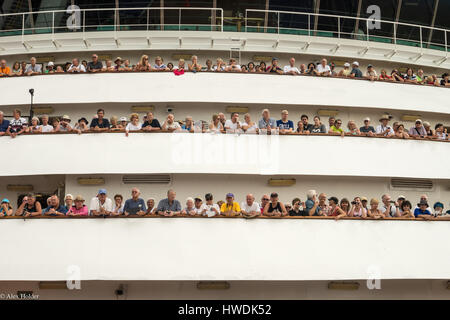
<point x="223" y="88"/>
<point x="102" y="153"/>
<point x="223" y="249"/>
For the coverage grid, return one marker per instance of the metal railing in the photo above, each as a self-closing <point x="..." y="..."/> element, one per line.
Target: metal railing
<point x="112" y="19"/>
<point x="212" y="19"/>
<point x="328" y="25"/>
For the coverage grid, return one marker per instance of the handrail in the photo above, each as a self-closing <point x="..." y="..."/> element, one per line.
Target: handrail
<point x="116" y="11"/>
<point x="357" y="19"/>
<point x="91" y="131"/>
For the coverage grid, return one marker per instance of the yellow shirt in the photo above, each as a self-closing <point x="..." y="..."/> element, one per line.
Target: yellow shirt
<point x="226" y="207"/>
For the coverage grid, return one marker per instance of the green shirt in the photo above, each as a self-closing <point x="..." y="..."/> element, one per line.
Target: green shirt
<point x="334" y="129"/>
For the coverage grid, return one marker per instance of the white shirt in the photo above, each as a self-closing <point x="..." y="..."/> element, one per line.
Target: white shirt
<point x="392" y="210"/>
<point x="208" y="207"/>
<point x="254" y="207"/>
<point x="79" y="68"/>
<point x="380" y="129"/>
<point x="174" y="125"/>
<point x="320" y="68"/>
<point x="250" y="129"/>
<point x="95" y="205"/>
<point x="47" y="128"/>
<point x="132" y="127"/>
<point x="289" y="69"/>
<point x="230" y="125"/>
<point x="198" y="211"/>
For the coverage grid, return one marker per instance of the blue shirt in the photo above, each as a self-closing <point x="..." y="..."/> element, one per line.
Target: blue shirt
<point x="133" y="206"/>
<point x="104" y="124"/>
<point x="164" y="205"/>
<point x="285" y="125"/>
<point x="417" y="211"/>
<point x="262" y="124"/>
<point x="309" y="204"/>
<point x="4" y="125"/>
<point x="61" y="209"/>
<point x="357" y="72"/>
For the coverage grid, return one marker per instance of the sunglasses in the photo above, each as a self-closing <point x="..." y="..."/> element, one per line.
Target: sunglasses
<point x="266" y="199"/>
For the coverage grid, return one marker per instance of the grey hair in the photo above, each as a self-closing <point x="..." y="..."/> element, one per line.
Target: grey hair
<point x="310" y="194"/>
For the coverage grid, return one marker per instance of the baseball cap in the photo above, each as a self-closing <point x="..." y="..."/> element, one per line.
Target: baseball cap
<point x="418" y="120"/>
<point x="346" y="64"/>
<point x="369" y="66"/>
<point x="198" y="199"/>
<point x="402" y="197"/>
<point x="334" y="199"/>
<point x="5" y="200"/>
<point x="363" y="199"/>
<point x="65" y="117"/>
<point x="123" y="119"/>
<point x="356" y="63"/>
<point x="102" y="191"/>
<point x="366" y="119"/>
<point x="230" y="195"/>
<point x="426" y="124"/>
<point x="50" y="64"/>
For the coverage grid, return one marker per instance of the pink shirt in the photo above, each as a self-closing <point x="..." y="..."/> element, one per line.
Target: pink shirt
<point x="81" y="212"/>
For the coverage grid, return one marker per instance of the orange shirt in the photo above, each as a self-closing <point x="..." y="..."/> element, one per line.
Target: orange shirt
<point x="5" y="70"/>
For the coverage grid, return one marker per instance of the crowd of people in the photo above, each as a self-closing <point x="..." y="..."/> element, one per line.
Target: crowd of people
<point x="219" y="124"/>
<point x="322" y="68"/>
<point x="270" y="206"/>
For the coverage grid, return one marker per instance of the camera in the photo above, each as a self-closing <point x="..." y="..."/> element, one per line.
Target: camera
<point x="353" y="202"/>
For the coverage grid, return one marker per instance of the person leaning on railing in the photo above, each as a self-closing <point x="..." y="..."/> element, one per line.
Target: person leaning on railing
<point x="100" y="123"/>
<point x="54" y="208"/>
<point x="29" y="207"/>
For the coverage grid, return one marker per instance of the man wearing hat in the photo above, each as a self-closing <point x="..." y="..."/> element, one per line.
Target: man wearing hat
<point x="230" y="208"/>
<point x="81" y="125"/>
<point x="364" y="203"/>
<point x="422" y="211"/>
<point x="356" y="73"/>
<point x="371" y="73"/>
<point x="5" y="208"/>
<point x="50" y="68"/>
<point x="118" y="66"/>
<point x="418" y="130"/>
<point x="384" y="130"/>
<point x="101" y="205"/>
<point x="274" y="68"/>
<point x="399" y="203"/>
<point x="79" y="209"/>
<point x="209" y="208"/>
<point x="367" y="129"/>
<point x="64" y="124"/>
